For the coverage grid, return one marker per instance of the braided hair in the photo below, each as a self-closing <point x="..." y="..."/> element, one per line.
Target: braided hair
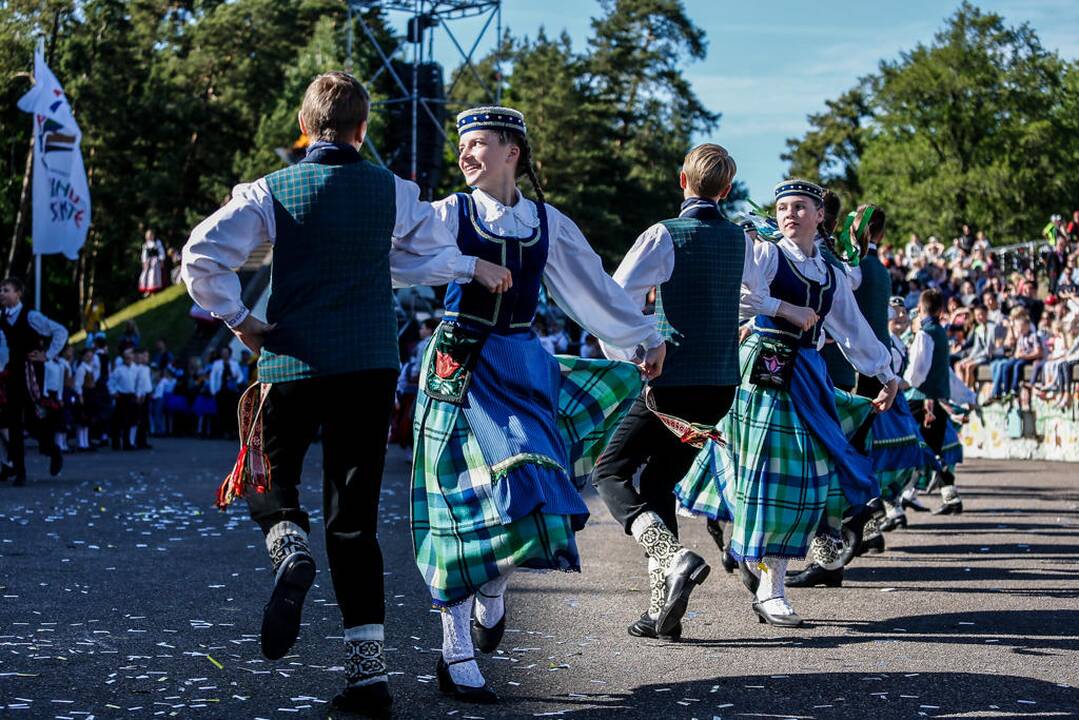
<point x="525" y="162"/>
<point x="826" y="228"/>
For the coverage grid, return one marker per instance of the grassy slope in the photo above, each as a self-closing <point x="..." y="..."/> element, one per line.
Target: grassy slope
<point x="162" y="315"/>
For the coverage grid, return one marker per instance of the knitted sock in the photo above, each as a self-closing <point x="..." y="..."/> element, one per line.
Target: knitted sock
<point x="894" y="511"/>
<point x="364" y="660"/>
<point x="652" y="534"/>
<point x="284" y="540"/>
<point x="871" y="529"/>
<point x="826" y="550"/>
<point x="773" y="575"/>
<point x="457" y="645"/>
<point x="657" y="589"/>
<point x="490" y="600"/>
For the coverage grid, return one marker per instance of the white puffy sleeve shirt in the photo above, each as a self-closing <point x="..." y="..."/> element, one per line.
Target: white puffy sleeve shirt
<point x="844" y="323"/>
<point x="574" y="275"/>
<point x="421" y="251"/>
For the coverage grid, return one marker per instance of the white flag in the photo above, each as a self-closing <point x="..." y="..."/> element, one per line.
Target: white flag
<point x="61" y="195"/>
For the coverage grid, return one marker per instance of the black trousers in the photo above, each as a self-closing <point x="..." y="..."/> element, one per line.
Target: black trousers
<point x="353" y="411"/>
<point x="642" y="439"/>
<point x="934" y="434"/>
<point x="868" y="387"/>
<point x="125" y="415"/>
<point x="20" y="416"/>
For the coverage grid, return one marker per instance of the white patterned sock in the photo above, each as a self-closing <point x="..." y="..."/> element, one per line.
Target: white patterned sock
<point x="773" y="577"/>
<point x="457" y="645"/>
<point x="652" y="534"/>
<point x="365" y="662"/>
<point x="490" y="600"/>
<point x="284" y="539"/>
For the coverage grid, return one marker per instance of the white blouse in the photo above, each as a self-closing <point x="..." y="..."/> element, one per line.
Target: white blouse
<point x="574" y="275"/>
<point x="843" y="323"/>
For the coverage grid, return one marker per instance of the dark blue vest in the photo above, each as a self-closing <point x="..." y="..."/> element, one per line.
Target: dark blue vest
<point x="474" y="305"/>
<point x="792" y="287"/>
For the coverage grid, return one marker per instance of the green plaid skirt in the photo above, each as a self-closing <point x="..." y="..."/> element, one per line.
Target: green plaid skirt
<point x="460" y="534"/>
<point x="773" y="480"/>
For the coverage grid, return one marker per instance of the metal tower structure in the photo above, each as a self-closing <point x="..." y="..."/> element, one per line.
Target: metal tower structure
<point x="424" y="19"/>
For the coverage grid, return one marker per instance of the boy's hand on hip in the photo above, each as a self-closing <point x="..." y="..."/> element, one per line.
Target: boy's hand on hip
<point x="252" y="332"/>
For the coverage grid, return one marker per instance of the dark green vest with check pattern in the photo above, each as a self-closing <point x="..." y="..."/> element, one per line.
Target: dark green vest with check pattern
<point x="938" y="383"/>
<point x="330" y="292"/>
<point x="873" y="294"/>
<point x="697" y="309"/>
<point x="839" y="370"/>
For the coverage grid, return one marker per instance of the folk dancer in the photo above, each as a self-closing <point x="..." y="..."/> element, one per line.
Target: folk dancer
<point x="503" y="430"/>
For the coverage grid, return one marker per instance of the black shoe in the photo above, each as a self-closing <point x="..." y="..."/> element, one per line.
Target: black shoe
<point x="487" y="639"/>
<point x="729" y="563"/>
<point x="281" y="616"/>
<point x="715" y="529"/>
<point x="645" y="627"/>
<point x="914" y="505"/>
<point x="749" y="579"/>
<point x="892" y="523"/>
<point x="778" y="620"/>
<point x="955" y="507"/>
<point x="372" y="700"/>
<point x="6" y="471"/>
<point x="813" y="575"/>
<point x="56" y="462"/>
<point x="681" y="578"/>
<point x="478" y="695"/>
<point x="873" y="545"/>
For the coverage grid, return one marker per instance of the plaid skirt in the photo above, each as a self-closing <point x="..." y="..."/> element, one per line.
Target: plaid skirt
<point x="774" y="480"/>
<point x="464" y="534"/>
<point x="897" y="448"/>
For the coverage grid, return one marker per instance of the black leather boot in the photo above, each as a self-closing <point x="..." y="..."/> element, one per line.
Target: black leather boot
<point x="813" y="575"/>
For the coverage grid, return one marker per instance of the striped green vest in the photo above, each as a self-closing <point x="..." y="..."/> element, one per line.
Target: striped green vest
<point x="839" y="370"/>
<point x="330" y="291"/>
<point x="697" y="308"/>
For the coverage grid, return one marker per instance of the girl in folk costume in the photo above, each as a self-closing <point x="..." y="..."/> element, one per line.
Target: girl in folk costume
<point x="896" y="447"/>
<point x="151" y="279"/>
<point x="788" y="453"/>
<point x="503" y="430"/>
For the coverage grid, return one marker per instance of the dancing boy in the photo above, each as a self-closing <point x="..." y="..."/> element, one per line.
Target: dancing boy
<point x="329" y="360"/>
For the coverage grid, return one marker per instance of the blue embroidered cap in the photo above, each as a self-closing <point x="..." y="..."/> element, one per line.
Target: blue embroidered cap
<point x="796" y="186"/>
<point x="490" y="118"/>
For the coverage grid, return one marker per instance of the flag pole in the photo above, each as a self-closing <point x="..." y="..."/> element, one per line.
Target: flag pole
<point x="37" y="282"/>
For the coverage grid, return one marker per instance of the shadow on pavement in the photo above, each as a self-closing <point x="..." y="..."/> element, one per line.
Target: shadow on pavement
<point x="826" y="695"/>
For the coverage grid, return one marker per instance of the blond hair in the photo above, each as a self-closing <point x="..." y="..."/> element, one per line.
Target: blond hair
<point x="709" y="170"/>
<point x="334" y="105"/>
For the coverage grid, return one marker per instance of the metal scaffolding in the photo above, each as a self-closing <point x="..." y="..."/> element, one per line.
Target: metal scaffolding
<point x="424" y="19"/>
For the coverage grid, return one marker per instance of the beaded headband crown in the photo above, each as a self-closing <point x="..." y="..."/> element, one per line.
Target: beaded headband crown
<point x="490" y="118"/>
<point x="799" y="187"/>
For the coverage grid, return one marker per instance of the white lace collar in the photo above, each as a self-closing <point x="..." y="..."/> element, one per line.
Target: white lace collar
<point x="492" y="211"/>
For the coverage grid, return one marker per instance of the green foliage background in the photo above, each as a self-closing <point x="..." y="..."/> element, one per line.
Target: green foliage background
<point x="979" y="126"/>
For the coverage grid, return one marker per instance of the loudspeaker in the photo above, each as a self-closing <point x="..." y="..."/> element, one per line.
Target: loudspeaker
<point x="430" y="163"/>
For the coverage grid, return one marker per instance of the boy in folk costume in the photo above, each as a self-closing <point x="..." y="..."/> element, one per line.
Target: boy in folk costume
<point x="695" y="262"/>
<point x="25" y="332"/>
<point x="927" y="373"/>
<point x="340" y="227"/>
<point x="788" y="430"/>
<point x="504" y="430"/>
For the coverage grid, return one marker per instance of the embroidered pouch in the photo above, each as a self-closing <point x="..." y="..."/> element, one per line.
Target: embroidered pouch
<point x="774" y="365"/>
<point x="455" y="352"/>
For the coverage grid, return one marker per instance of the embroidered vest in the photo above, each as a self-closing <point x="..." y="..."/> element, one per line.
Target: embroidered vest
<point x="472" y="304"/>
<point x="330" y="291"/>
<point x="791" y="286"/>
<point x="697" y="308"/>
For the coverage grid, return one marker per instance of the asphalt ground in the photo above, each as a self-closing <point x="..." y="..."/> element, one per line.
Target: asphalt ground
<point x="125" y="594"/>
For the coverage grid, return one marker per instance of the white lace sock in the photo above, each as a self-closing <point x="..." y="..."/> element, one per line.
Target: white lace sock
<point x="826" y="551"/>
<point x="457" y="645"/>
<point x="491" y="602"/>
<point x="773" y="578"/>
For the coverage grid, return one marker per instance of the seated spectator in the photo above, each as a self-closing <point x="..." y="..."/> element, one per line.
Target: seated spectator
<point x="1008" y="373"/>
<point x="987" y="344"/>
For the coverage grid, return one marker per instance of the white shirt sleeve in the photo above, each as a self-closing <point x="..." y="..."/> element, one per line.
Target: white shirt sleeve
<point x="51" y="329"/>
<point x="576" y="281"/>
<point x="424" y="250"/>
<point x="855" y="276"/>
<point x="758" y="271"/>
<point x="845" y="324"/>
<point x="648" y="264"/>
<point x="920" y="359"/>
<point x="221" y="243"/>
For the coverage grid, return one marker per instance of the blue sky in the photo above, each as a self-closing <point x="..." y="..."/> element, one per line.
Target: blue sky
<point x="772" y="62"/>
